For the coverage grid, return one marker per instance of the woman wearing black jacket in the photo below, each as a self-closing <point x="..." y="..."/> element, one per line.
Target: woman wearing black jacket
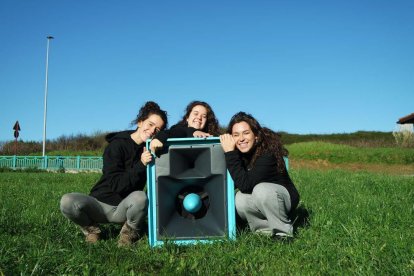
<point x="118" y="197"/>
<point x="254" y="158"/>
<point x="199" y="121"/>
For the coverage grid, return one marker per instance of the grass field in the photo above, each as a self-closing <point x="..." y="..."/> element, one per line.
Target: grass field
<point x="337" y="153"/>
<point x="358" y="223"/>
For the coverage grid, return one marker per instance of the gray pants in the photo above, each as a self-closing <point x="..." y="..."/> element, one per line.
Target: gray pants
<point x="85" y="210"/>
<point x="266" y="209"/>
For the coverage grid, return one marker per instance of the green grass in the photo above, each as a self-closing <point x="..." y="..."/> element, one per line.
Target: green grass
<point x="359" y="223"/>
<point x="337" y="153"/>
<point x="358" y="139"/>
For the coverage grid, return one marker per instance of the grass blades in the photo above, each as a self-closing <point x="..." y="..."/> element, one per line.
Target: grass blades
<point x="337" y="153"/>
<point x="358" y="223"/>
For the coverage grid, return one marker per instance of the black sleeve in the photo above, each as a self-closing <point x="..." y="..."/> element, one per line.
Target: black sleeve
<point x="120" y="178"/>
<point x="177" y="131"/>
<point x="244" y="179"/>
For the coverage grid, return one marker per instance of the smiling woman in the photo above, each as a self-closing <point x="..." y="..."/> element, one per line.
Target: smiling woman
<point x="254" y="158"/>
<point x="147" y="128"/>
<point x="198" y="117"/>
<point x="118" y="196"/>
<point x="199" y="121"/>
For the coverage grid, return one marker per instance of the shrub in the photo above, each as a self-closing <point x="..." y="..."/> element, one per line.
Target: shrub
<point x="404" y="137"/>
<point x="72" y="143"/>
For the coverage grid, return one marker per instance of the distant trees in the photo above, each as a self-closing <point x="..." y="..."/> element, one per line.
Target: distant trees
<point x="73" y="143"/>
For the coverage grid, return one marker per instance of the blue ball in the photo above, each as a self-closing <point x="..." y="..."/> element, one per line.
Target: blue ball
<point x="192" y="203"/>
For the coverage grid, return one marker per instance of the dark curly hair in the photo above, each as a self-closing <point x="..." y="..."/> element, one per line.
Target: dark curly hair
<point x="212" y="125"/>
<point x="268" y="141"/>
<point x="147" y="110"/>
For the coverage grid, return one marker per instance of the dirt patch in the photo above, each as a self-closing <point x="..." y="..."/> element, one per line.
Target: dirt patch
<point x="326" y="165"/>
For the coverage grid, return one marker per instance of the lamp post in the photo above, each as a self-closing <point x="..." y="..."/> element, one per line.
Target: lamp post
<point x="45" y="110"/>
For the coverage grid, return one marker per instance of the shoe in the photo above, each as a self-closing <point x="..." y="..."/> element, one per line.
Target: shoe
<point x="282" y="236"/>
<point x="127" y="236"/>
<point x="274" y="234"/>
<point x="92" y="233"/>
<point x="265" y="232"/>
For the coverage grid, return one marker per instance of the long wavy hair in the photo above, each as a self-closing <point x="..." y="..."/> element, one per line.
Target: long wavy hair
<point x="268" y="141"/>
<point x="147" y="110"/>
<point x="212" y="124"/>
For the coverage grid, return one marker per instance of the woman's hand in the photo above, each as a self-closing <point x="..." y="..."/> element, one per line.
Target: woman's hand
<point x="146" y="157"/>
<point x="227" y="142"/>
<point x="155" y="144"/>
<point x="201" y="134"/>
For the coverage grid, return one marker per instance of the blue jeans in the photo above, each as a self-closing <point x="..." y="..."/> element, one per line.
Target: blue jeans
<point x="85" y="210"/>
<point x="266" y="209"/>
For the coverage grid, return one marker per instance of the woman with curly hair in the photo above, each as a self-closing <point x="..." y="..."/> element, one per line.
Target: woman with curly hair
<point x="118" y="196"/>
<point x="254" y="158"/>
<point x="199" y="121"/>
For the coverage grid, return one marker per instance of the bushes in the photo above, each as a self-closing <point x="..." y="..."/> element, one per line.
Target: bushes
<point x="82" y="144"/>
<point x="404" y="137"/>
<point x="64" y="144"/>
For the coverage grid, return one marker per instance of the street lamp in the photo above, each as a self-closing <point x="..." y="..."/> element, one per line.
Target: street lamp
<point x="45" y="111"/>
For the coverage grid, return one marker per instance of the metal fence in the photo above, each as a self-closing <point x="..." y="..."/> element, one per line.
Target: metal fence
<point x="79" y="163"/>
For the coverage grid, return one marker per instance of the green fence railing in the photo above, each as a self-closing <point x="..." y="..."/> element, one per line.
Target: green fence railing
<point x="79" y="163"/>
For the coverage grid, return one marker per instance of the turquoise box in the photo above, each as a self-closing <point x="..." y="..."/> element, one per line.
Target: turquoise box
<point x="191" y="193"/>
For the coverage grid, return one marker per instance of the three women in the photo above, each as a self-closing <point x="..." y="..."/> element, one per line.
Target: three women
<point x="254" y="158"/>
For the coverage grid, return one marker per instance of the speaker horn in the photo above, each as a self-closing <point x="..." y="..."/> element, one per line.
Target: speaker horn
<point x="191" y="193"/>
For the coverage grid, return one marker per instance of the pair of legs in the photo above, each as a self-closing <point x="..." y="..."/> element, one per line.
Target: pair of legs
<point x="87" y="211"/>
<point x="266" y="209"/>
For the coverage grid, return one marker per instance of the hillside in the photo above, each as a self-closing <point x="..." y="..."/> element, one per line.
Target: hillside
<point x="94" y="144"/>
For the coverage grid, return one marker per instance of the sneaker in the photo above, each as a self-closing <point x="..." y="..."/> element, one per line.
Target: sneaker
<point x="274" y="234"/>
<point x="127" y="236"/>
<point x="265" y="232"/>
<point x="92" y="233"/>
<point x="282" y="236"/>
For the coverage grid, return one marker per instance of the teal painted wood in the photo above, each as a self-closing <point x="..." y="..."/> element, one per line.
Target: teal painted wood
<point x="286" y="162"/>
<point x="153" y="221"/>
<point x="45" y="162"/>
<point x="76" y="163"/>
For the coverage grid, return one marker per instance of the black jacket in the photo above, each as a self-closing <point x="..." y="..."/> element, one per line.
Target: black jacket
<point x="176" y="131"/>
<point x="123" y="171"/>
<point x="264" y="170"/>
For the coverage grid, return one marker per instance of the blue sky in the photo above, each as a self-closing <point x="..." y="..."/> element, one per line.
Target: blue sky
<point x="297" y="66"/>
